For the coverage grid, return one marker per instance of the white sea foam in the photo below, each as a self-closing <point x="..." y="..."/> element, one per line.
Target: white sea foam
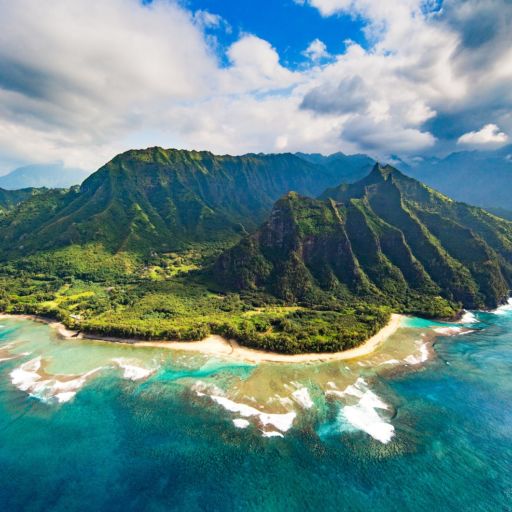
<point x="449" y="331"/>
<point x="506" y="308"/>
<point x="282" y="422"/>
<point x="271" y="433"/>
<point x="204" y="388"/>
<point x="391" y="361"/>
<point x="26" y="375"/>
<point x="131" y="371"/>
<point x="418" y="359"/>
<point x="363" y="415"/>
<point x="26" y="378"/>
<point x="468" y="318"/>
<point x="302" y="397"/>
<point x="65" y="396"/>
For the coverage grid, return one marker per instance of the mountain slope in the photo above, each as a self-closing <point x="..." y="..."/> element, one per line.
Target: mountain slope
<point x="49" y="176"/>
<point x="159" y="200"/>
<point x="385" y="239"/>
<point x="11" y="198"/>
<point x="500" y="212"/>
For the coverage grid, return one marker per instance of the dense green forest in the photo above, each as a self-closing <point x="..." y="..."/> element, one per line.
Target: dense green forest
<point x="165" y="244"/>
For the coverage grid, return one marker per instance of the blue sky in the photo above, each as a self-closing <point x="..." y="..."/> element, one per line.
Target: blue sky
<point x="286" y="25"/>
<point x="86" y="79"/>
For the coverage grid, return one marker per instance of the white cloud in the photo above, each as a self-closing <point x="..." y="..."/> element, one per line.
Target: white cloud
<point x="87" y="79"/>
<point x="90" y="70"/>
<point x="488" y="135"/>
<point x="205" y="18"/>
<point x="255" y="66"/>
<point x="316" y="51"/>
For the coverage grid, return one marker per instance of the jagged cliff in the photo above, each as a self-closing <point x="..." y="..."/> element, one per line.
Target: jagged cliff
<point x="385" y="239"/>
<point x="159" y="200"/>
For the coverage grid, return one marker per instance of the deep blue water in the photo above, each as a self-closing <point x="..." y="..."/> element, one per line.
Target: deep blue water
<point x="153" y="445"/>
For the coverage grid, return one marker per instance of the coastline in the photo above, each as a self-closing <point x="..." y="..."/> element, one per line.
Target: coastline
<point x="217" y="345"/>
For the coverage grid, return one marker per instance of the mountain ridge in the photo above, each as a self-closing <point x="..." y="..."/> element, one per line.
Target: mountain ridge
<point x="386" y="237"/>
<point x="163" y="199"/>
<point x="319" y="275"/>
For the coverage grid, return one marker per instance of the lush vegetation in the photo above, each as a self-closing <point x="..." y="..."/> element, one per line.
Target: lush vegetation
<point x="169" y="297"/>
<point x="11" y="198"/>
<point x="386" y="239"/>
<point x="155" y="246"/>
<point x="156" y="200"/>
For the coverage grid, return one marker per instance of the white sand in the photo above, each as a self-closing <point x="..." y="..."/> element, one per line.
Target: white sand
<point x="219" y="346"/>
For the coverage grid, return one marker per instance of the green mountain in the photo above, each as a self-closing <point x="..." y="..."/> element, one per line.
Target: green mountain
<point x="386" y="239"/>
<point x="11" y="198"/>
<point x="37" y="176"/>
<point x="133" y="251"/>
<point x="500" y="212"/>
<point x="158" y="200"/>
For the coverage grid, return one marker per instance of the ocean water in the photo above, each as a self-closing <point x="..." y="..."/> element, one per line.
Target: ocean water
<point x="424" y="423"/>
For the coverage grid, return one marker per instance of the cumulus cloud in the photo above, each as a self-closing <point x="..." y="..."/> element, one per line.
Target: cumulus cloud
<point x="348" y="95"/>
<point x="316" y="51"/>
<point x="488" y="135"/>
<point x="84" y="80"/>
<point x="425" y="63"/>
<point x="207" y="19"/>
<point x="81" y="73"/>
<point x="255" y="66"/>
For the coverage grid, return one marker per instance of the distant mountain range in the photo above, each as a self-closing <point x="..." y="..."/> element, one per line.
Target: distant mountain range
<point x="482" y="178"/>
<point x="36" y="176"/>
<point x="344" y="168"/>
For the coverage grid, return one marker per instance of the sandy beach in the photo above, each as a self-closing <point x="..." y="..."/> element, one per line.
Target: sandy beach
<point x="217" y="345"/>
<point x="221" y="346"/>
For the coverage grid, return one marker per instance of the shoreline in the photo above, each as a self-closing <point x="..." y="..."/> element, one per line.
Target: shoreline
<point x="217" y="345"/>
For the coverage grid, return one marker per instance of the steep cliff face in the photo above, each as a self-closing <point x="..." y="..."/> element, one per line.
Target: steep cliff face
<point x="387" y="239"/>
<point x="157" y="200"/>
<point x="302" y="246"/>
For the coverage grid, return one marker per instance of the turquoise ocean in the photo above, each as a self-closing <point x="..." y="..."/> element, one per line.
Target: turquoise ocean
<point x="424" y="424"/>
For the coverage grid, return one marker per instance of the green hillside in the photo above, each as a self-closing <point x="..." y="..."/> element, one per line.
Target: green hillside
<point x="164" y="244"/>
<point x="157" y="200"/>
<point x="11" y="198"/>
<point x="386" y="239"/>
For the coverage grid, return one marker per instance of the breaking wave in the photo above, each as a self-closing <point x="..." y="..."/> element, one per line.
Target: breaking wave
<point x="364" y="413"/>
<point x="28" y="379"/>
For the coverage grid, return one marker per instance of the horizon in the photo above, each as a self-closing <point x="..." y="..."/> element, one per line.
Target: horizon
<point x="382" y="161"/>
